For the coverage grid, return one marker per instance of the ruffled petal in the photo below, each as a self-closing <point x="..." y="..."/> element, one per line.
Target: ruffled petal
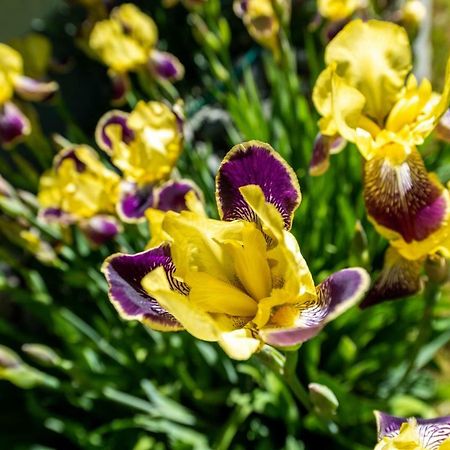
<point x="118" y="120"/>
<point x="256" y="163"/>
<point x="399" y="278"/>
<point x="125" y="273"/>
<point x="366" y="58"/>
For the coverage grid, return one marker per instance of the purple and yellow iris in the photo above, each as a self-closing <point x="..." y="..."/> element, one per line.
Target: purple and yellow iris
<point x="240" y="281"/>
<point x="14" y="125"/>
<point x="413" y="434"/>
<point x="145" y="145"/>
<point x="80" y="189"/>
<point x="384" y="110"/>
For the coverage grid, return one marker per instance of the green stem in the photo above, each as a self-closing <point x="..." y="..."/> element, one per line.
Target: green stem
<point x="291" y="379"/>
<point x="431" y="295"/>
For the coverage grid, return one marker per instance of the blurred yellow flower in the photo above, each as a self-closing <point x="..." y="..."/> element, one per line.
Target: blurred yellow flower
<point x="123" y="42"/>
<point x="79" y="185"/>
<point x="337" y="9"/>
<point x="261" y="20"/>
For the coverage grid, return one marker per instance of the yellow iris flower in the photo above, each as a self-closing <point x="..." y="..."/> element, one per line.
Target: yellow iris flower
<point x="124" y="41"/>
<point x="337" y="9"/>
<point x="156" y="144"/>
<point x="79" y="184"/>
<point x="367" y="95"/>
<point x="240" y="281"/>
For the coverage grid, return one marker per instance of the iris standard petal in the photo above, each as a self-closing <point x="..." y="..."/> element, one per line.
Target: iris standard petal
<point x="125" y="273"/>
<point x="195" y="321"/>
<point x="118" y="120"/>
<point x="14" y="125"/>
<point x="256" y="163"/>
<point x="134" y="201"/>
<point x="366" y="59"/>
<point x="399" y="278"/>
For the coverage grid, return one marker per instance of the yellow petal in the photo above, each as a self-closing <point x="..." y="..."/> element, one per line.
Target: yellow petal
<point x="215" y="296"/>
<point x="195" y="321"/>
<point x="197" y="243"/>
<point x="347" y="106"/>
<point x="250" y="263"/>
<point x="374" y="57"/>
<point x="239" y="344"/>
<point x="271" y="220"/>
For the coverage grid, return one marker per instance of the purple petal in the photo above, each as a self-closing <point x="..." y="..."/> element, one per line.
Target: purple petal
<point x="289" y="337"/>
<point x="120" y="86"/>
<point x="34" y="90"/>
<point x="342" y="290"/>
<point x="124" y="274"/>
<point x="69" y="153"/>
<point x="165" y="66"/>
<point x="14" y="125"/>
<point x="404" y="198"/>
<point x="256" y="163"/>
<point x="399" y="278"/>
<point x="134" y="201"/>
<point x="387" y="425"/>
<point x="172" y="195"/>
<point x="323" y="147"/>
<point x="115" y="117"/>
<point x="432" y="432"/>
<point x="101" y="229"/>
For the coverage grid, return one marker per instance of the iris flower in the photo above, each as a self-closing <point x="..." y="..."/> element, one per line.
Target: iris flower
<point x="145" y="145"/>
<point x="395" y="433"/>
<point x="367" y="95"/>
<point x="13" y="123"/>
<point x="80" y="189"/>
<point x="336" y="10"/>
<point x="126" y="42"/>
<point x="261" y="20"/>
<point x="240" y="281"/>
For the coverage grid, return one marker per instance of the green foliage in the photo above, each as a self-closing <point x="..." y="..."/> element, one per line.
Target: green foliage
<point x="95" y="381"/>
